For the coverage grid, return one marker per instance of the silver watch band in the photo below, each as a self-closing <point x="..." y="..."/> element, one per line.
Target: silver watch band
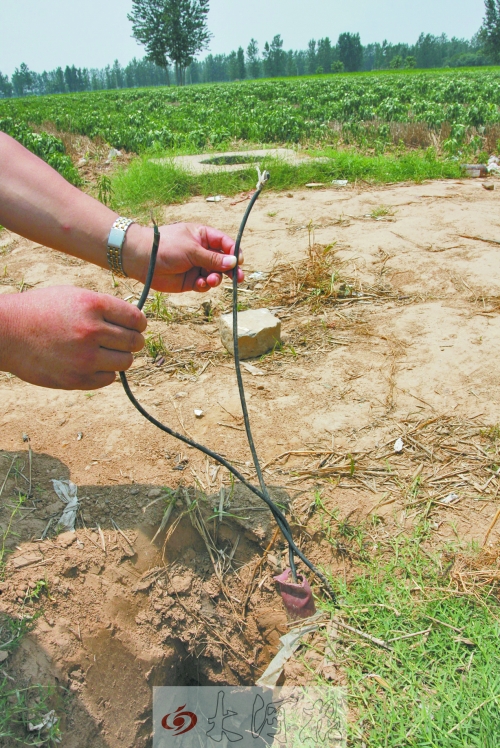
<point x="116" y="240"/>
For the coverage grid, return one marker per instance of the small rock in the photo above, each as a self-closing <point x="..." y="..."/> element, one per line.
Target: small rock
<point x="134" y="491"/>
<point x="198" y="413"/>
<point x="66" y="539"/>
<point x="3" y="655"/>
<point x="114" y="153"/>
<point x="154" y="493"/>
<point x="254" y="370"/>
<point x="26" y="560"/>
<point x="258" y="332"/>
<point x="488" y="186"/>
<point x="82" y="162"/>
<point x="180" y="584"/>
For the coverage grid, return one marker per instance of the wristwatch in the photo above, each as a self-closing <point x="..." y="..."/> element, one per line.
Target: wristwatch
<point x="116" y="240"/>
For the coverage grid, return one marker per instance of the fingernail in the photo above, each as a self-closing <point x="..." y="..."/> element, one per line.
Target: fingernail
<point x="228" y="262"/>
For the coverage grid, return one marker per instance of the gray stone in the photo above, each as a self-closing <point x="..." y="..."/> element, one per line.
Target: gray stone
<point x="258" y="332"/>
<point x="154" y="493"/>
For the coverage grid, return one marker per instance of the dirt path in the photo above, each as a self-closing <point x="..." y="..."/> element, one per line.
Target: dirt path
<point x="411" y="340"/>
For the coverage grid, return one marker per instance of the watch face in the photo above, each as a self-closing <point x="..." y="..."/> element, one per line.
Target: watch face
<point x="116" y="237"/>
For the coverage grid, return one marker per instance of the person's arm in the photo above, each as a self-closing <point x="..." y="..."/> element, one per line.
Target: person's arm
<point x="36" y="202"/>
<point x="69" y="338"/>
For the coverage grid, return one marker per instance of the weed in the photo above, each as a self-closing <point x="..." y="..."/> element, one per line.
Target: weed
<point x="155" y="345"/>
<point x="146" y="184"/>
<point x="439" y="685"/>
<point x="104" y="189"/>
<point x="8" y="531"/>
<point x="40" y="587"/>
<point x="20" y="706"/>
<point x="158" y="309"/>
<point x="381" y="212"/>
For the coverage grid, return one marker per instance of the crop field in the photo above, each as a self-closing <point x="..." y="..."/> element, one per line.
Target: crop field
<point x="376" y="418"/>
<point x="363" y="109"/>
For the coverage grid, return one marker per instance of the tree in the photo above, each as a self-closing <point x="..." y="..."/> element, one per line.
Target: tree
<point x="253" y="62"/>
<point x="350" y="51"/>
<point x="325" y="54"/>
<point x="171" y="29"/>
<point x="5" y="86"/>
<point x="490" y="31"/>
<point x="232" y="65"/>
<point x="275" y="58"/>
<point x="396" y="62"/>
<point x="22" y="80"/>
<point x="240" y="64"/>
<point x="312" y="62"/>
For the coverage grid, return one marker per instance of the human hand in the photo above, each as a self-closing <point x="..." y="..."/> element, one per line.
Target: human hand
<point x="191" y="257"/>
<point x="68" y="338"/>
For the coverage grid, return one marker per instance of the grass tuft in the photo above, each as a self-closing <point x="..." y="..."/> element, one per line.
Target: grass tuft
<point x="146" y="185"/>
<point x="438" y="687"/>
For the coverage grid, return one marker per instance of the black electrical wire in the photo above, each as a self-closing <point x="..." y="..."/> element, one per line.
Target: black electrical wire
<point x="236" y="353"/>
<point x="263" y="493"/>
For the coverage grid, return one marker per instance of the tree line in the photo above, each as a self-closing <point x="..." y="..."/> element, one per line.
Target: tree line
<point x="321" y="56"/>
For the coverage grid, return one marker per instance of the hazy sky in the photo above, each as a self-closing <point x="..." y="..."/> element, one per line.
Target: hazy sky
<point x="93" y="33"/>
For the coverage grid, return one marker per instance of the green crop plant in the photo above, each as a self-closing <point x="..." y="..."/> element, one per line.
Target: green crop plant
<point x="366" y="108"/>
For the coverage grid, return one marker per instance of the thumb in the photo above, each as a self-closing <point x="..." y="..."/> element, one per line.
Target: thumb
<point x="214" y="262"/>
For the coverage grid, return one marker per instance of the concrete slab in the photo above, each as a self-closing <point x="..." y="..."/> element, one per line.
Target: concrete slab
<point x="206" y="163"/>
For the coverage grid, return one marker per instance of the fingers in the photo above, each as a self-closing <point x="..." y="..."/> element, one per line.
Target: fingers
<point x="110" y="361"/>
<point x="212" y="261"/>
<point x="121" y="339"/>
<point x="119" y="312"/>
<point x="216" y="239"/>
<point x="98" y="380"/>
<point x="203" y="284"/>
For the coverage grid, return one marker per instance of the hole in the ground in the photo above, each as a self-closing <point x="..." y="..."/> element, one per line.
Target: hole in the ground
<point x="230" y="160"/>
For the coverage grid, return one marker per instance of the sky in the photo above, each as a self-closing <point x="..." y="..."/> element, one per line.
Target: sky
<point x="93" y="33"/>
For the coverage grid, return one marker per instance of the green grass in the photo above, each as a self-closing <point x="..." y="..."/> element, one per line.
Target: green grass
<point x="436" y="691"/>
<point x="19" y="706"/>
<point x="145" y="185"/>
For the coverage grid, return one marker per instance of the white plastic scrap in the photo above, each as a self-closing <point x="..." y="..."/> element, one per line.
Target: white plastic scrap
<point x="214" y="199"/>
<point x="449" y="499"/>
<point x="48" y="721"/>
<point x="290" y="643"/>
<point x="340" y="182"/>
<point x="398" y="445"/>
<point x="258" y="275"/>
<point x="67" y="492"/>
<point x="493" y="164"/>
<point x="199" y="413"/>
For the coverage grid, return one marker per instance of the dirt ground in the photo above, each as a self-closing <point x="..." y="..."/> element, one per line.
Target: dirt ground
<point x="408" y="348"/>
